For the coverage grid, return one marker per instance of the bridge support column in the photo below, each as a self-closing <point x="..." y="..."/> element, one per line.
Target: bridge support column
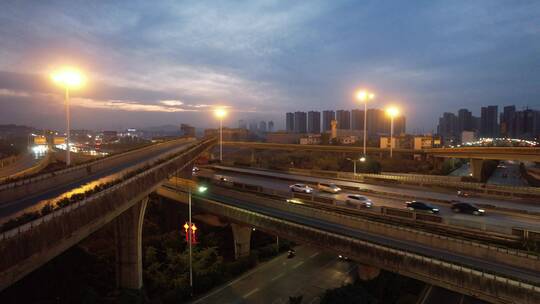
<point x="476" y="168"/>
<point x="128" y="239"/>
<point x="367" y="273"/>
<point x="253" y="160"/>
<point x="242" y="240"/>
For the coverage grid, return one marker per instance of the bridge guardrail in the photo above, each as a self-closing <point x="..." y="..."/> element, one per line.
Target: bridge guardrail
<point x="60" y="211"/>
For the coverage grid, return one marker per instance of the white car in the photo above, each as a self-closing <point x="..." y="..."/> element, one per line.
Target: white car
<point x="331" y="188"/>
<point x="355" y="201"/>
<point x="301" y="188"/>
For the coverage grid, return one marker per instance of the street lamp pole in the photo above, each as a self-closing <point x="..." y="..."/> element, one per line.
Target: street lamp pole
<point x="392" y="112"/>
<point x="189" y="241"/>
<point x="68" y="78"/>
<point x="68" y="127"/>
<point x="364" y="96"/>
<point x="391" y="134"/>
<point x="220" y="139"/>
<point x="365" y="127"/>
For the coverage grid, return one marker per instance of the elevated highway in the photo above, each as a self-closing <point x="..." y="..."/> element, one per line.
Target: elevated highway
<point x="31" y="194"/>
<point x="470" y="267"/>
<point x="119" y="198"/>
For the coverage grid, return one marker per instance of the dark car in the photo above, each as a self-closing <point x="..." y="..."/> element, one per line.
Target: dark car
<point x="467" y="208"/>
<point x="421" y="206"/>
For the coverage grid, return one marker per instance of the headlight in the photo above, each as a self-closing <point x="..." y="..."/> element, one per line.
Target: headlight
<point x="481" y="210"/>
<point x="435" y="209"/>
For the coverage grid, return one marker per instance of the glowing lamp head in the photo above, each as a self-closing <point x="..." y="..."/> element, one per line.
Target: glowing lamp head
<point x="392" y="112"/>
<point x="220" y="113"/>
<point x="69" y="78"/>
<point x="364" y="95"/>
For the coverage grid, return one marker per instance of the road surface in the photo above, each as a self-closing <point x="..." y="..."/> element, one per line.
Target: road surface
<point x="28" y="160"/>
<point x="36" y="202"/>
<point x="309" y="274"/>
<point x="497" y="222"/>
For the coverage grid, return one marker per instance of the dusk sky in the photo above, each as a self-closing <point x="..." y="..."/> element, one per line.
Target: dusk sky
<point x="151" y="63"/>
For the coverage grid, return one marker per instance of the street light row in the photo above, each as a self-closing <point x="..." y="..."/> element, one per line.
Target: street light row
<point x="364" y="96"/>
<point x="71" y="78"/>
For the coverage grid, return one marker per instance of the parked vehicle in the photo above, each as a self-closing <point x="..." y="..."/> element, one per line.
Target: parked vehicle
<point x="355" y="201"/>
<point x="461" y="207"/>
<point x="330" y="188"/>
<point x="303" y="188"/>
<point x="421" y="206"/>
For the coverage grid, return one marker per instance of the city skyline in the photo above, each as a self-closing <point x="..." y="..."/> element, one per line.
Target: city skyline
<point x="155" y="64"/>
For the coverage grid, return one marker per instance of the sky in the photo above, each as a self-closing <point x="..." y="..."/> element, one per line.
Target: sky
<point x="151" y="63"/>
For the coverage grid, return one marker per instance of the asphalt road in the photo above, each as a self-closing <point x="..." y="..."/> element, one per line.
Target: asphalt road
<point x="309" y="274"/>
<point x="28" y="160"/>
<point x="475" y="263"/>
<point x="497" y="222"/>
<point x="35" y="202"/>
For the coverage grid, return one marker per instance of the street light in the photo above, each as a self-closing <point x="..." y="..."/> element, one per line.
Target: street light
<point x="200" y="189"/>
<point x="220" y="113"/>
<point x="68" y="78"/>
<point x="392" y="112"/>
<point x="364" y="96"/>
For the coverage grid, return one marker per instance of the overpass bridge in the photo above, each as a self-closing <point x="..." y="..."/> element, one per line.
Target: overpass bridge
<point x="492" y="273"/>
<point x="476" y="154"/>
<point x="118" y="197"/>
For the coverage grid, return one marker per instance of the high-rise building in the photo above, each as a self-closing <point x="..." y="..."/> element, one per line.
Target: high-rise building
<point x="377" y="122"/>
<point x="300" y="122"/>
<point x="357" y="119"/>
<point x="270" y="126"/>
<point x="399" y="125"/>
<point x="289" y="122"/>
<point x="465" y="121"/>
<point x="242" y="124"/>
<point x="507" y="121"/>
<point x="262" y="126"/>
<point x="343" y="118"/>
<point x="253" y="127"/>
<point x="314" y="122"/>
<point x="328" y="116"/>
<point x="187" y="130"/>
<point x="448" y="128"/>
<point x="489" y="126"/>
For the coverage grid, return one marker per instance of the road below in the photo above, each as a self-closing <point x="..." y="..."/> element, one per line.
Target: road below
<point x="309" y="274"/>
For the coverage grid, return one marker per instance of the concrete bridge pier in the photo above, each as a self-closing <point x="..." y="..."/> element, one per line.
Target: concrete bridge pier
<point x="476" y="168"/>
<point x="367" y="273"/>
<point x="242" y="240"/>
<point x="128" y="241"/>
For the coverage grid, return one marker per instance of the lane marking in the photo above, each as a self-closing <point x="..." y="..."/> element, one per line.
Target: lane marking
<point x="298" y="264"/>
<point x="250" y="293"/>
<point x="278" y="276"/>
<point x="314" y="255"/>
